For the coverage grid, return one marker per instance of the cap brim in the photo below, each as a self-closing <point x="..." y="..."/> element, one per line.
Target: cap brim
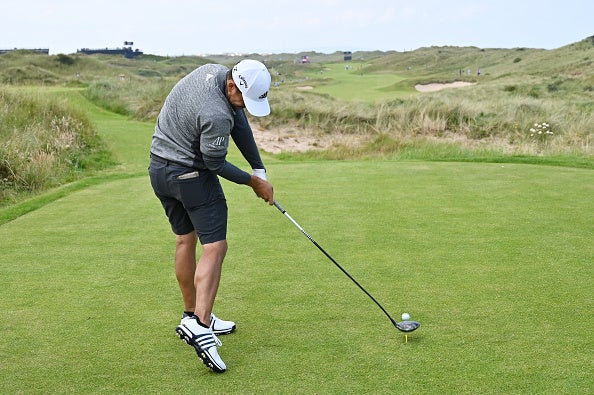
<point x="258" y="108"/>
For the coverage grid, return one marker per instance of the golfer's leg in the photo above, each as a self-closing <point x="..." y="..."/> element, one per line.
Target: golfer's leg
<point x="185" y="268"/>
<point x="207" y="277"/>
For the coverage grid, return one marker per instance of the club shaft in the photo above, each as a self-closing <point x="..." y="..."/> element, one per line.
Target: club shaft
<point x="286" y="214"/>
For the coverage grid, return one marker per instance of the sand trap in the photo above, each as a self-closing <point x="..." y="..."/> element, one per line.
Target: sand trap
<point x="438" y="87"/>
<point x="304" y="88"/>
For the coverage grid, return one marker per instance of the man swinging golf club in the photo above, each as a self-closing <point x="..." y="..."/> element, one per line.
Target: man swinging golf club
<point x="188" y="153"/>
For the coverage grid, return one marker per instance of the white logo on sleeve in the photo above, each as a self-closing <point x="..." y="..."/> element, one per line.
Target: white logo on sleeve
<point x="219" y="141"/>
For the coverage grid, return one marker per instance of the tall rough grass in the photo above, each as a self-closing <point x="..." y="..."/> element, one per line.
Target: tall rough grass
<point x="137" y="97"/>
<point x="43" y="143"/>
<point x="475" y="119"/>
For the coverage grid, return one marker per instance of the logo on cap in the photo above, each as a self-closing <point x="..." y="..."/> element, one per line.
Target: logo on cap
<point x="243" y="81"/>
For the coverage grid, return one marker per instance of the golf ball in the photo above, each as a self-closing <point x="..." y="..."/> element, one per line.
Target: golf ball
<point x="405" y="316"/>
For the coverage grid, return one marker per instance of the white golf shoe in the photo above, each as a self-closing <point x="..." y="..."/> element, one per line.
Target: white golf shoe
<point x="218" y="326"/>
<point x="204" y="342"/>
<point x="221" y="327"/>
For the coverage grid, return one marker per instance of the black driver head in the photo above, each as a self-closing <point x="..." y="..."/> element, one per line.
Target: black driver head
<point x="408" y="326"/>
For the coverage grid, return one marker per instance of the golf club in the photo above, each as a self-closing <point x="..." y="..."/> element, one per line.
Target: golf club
<point x="284" y="212"/>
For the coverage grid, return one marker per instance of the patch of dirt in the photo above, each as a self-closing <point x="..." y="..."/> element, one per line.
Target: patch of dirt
<point x="278" y="141"/>
<point x="438" y="87"/>
<point x="288" y="139"/>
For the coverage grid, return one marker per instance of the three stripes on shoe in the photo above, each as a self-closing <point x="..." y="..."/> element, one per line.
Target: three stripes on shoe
<point x="201" y="343"/>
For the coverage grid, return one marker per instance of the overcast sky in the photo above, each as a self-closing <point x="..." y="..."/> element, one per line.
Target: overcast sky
<point x="192" y="27"/>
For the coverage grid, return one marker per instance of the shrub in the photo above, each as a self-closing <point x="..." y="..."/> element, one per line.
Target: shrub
<point x="43" y="143"/>
<point x="65" y="59"/>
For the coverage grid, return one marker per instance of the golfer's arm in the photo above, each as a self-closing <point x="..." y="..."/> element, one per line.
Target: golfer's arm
<point x="214" y="153"/>
<point x="243" y="137"/>
<point x="227" y="170"/>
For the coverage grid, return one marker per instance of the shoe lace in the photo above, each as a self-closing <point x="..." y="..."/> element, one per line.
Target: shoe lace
<point x="219" y="343"/>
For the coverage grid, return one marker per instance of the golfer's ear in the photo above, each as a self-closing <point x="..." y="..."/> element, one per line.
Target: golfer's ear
<point x="231" y="85"/>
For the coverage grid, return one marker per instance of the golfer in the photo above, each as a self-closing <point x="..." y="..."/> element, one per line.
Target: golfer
<point x="188" y="154"/>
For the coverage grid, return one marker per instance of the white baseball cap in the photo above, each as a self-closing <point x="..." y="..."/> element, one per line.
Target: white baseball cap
<point x="253" y="80"/>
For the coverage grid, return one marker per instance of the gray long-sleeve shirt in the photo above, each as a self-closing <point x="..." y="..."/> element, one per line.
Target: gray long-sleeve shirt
<point x="195" y="123"/>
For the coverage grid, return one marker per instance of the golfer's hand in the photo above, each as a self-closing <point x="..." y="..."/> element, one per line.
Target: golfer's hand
<point x="263" y="189"/>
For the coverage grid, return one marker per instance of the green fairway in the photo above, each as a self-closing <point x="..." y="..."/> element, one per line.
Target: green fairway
<point x="348" y="81"/>
<point x="494" y="260"/>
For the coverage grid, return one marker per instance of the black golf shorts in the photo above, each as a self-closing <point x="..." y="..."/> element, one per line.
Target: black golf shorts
<point x="192" y="200"/>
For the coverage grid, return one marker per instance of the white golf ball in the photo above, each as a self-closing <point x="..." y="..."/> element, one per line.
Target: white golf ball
<point x="405" y="316"/>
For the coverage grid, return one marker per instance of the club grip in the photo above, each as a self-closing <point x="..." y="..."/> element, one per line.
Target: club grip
<point x="279" y="207"/>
